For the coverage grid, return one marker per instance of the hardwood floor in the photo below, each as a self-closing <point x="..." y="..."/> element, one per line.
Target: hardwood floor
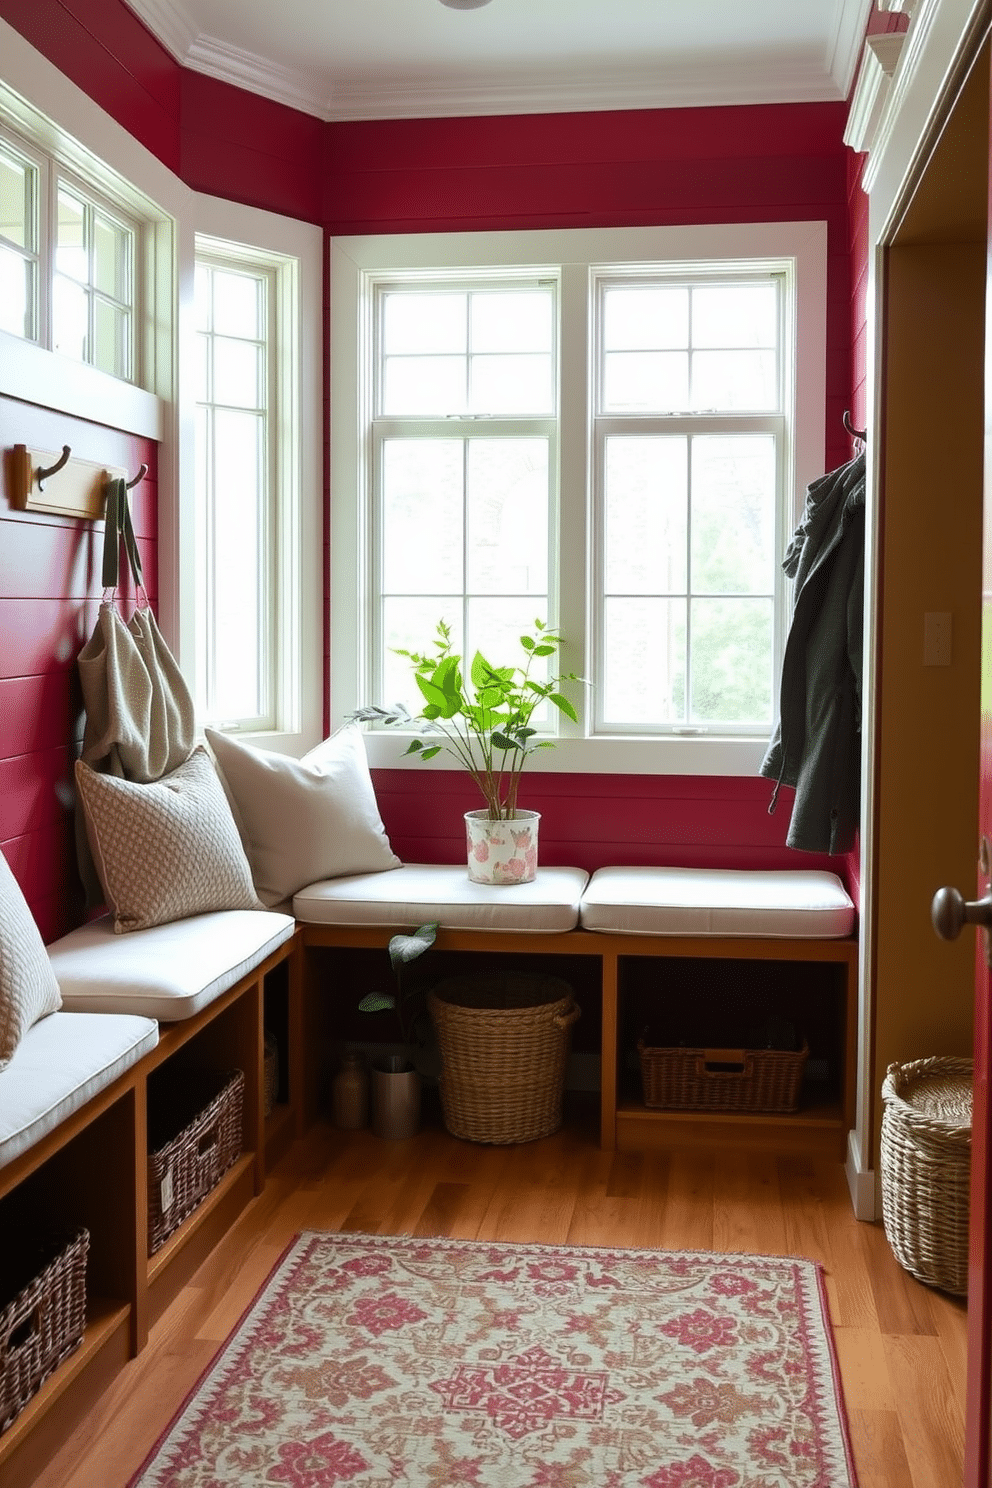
<point x="900" y="1345"/>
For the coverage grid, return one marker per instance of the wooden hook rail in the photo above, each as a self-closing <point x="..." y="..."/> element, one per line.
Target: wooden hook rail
<point x="79" y="491"/>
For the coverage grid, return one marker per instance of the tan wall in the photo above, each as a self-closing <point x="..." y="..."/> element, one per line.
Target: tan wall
<point x="926" y="798"/>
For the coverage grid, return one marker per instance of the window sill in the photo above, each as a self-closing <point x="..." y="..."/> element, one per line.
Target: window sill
<point x="34" y="375"/>
<point x="620" y="756"/>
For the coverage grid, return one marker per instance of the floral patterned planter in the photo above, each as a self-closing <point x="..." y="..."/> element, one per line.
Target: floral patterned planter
<point x="502" y="852"/>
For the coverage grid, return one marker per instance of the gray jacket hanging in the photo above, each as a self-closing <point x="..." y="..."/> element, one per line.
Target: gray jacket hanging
<point x="816" y="746"/>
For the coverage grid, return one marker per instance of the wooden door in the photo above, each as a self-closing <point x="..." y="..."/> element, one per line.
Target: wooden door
<point x="978" y="1468"/>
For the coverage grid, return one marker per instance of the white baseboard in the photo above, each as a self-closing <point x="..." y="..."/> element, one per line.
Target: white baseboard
<point x="862" y="1184"/>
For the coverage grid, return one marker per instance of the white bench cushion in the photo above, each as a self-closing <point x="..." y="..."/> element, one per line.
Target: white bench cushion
<point x="168" y="972"/>
<point x="802" y="904"/>
<point x="419" y="893"/>
<point x="60" y="1064"/>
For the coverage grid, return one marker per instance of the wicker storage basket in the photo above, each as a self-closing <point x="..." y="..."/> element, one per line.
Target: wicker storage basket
<point x="504" y="1046"/>
<point x="722" y="1079"/>
<point x="271" y="1072"/>
<point x="925" y="1161"/>
<point x="45" y="1321"/>
<point x="195" y="1136"/>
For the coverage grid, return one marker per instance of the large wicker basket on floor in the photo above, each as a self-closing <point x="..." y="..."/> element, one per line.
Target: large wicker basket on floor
<point x="504" y="1047"/>
<point x="926" y="1166"/>
<point x="44" y="1321"/>
<point x="195" y="1136"/>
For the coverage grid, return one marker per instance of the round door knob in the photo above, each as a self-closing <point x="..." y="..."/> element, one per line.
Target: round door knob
<point x="950" y="912"/>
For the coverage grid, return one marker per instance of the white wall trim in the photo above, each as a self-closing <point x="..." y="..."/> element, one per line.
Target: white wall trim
<point x="939" y="36"/>
<point x="862" y="1183"/>
<point x="878" y="63"/>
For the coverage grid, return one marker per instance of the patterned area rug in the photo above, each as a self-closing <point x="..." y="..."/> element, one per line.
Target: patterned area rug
<point x="373" y="1361"/>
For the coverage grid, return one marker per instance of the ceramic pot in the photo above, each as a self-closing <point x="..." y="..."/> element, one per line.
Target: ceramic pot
<point x="502" y="852"/>
<point x="395" y="1097"/>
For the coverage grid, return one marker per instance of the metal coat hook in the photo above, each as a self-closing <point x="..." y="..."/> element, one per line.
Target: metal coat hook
<point x="861" y="434"/>
<point x="42" y="475"/>
<point x="142" y="472"/>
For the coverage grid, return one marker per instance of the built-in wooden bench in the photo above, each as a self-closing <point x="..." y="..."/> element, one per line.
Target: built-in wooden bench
<point x="73" y="1125"/>
<point x="617" y="917"/>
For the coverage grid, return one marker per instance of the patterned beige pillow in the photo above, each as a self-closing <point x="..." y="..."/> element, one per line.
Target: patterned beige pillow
<point x="165" y="850"/>
<point x="28" y="989"/>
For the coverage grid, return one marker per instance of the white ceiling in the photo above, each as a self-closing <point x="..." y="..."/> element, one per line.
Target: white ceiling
<point x="381" y="59"/>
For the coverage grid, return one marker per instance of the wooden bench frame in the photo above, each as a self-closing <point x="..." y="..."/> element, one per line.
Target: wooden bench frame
<point x="95" y="1164"/>
<point x="624" y="1125"/>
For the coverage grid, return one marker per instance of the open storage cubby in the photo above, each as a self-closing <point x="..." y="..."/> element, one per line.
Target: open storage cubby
<point x="610" y="973"/>
<point x="740" y="1005"/>
<point x="339" y="976"/>
<point x="738" y="1001"/>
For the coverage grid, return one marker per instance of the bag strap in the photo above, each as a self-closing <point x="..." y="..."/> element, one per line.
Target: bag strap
<point x="118" y="524"/>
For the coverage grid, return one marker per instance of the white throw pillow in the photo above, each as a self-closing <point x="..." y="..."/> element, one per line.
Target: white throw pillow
<point x="167" y="849"/>
<point x="303" y="820"/>
<point x="28" y="989"/>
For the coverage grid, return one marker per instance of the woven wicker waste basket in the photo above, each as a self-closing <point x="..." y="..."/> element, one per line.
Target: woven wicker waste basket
<point x="504" y="1047"/>
<point x="926" y="1166"/>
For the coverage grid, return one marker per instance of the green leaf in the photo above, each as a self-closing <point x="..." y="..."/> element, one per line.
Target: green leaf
<point x="430" y="753"/>
<point x="564" y="706"/>
<point x="431" y="691"/>
<point x="414" y="747"/>
<point x="403" y="948"/>
<point x="482" y="672"/>
<point x="505" y="741"/>
<point x="377" y="1002"/>
<point x="544" y="650"/>
<point x="527" y="643"/>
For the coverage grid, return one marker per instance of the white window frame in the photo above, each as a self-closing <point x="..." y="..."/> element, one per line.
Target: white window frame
<point x="94" y="200"/>
<point x="63" y="131"/>
<point x="578" y="255"/>
<point x="290" y="252"/>
<point x="389" y="426"/>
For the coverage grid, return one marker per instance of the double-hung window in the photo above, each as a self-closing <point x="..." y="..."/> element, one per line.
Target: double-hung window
<point x="690" y="451"/>
<point x="607" y="431"/>
<point x="237" y="576"/>
<point x="464" y="467"/>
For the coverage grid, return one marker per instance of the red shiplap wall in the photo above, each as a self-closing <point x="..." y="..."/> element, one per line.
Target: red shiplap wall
<point x="763" y="163"/>
<point x="49" y="595"/>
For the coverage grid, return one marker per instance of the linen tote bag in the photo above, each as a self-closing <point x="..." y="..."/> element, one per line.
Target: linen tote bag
<point x="140" y="721"/>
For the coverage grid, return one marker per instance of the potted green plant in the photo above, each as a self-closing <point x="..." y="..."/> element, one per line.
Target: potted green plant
<point x="395" y="1079"/>
<point x="486" y="724"/>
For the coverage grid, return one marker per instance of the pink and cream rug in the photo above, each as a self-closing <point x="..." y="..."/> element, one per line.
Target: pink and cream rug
<point x="375" y="1361"/>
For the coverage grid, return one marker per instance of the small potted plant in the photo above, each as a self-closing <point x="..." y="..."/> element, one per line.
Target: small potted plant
<point x="486" y="724"/>
<point x="395" y="1079"/>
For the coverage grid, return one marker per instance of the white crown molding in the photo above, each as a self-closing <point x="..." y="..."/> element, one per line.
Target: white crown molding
<point x="905" y="7"/>
<point x="940" y="32"/>
<point x="256" y="74"/>
<point x="169" y="23"/>
<point x="878" y="63"/>
<point x="690" y="86"/>
<point x="549" y="92"/>
<point x="845" y="47"/>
